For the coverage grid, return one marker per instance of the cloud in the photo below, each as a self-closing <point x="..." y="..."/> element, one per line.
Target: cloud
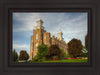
<point x="73" y="25"/>
<point x="20" y="47"/>
<point x="25" y="21"/>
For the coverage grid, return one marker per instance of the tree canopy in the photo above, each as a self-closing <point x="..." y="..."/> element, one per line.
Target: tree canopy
<point x="54" y="50"/>
<point x="14" y="55"/>
<point x="86" y="41"/>
<point x="75" y="47"/>
<point x="23" y="55"/>
<point x="63" y="53"/>
<point x="42" y="50"/>
<point x="84" y="52"/>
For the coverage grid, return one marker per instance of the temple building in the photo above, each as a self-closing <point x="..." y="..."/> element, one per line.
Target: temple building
<point x="40" y="35"/>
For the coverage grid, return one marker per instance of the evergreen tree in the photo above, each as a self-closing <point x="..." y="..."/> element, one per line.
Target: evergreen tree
<point x="14" y="55"/>
<point x="86" y="41"/>
<point x="42" y="50"/>
<point x="84" y="52"/>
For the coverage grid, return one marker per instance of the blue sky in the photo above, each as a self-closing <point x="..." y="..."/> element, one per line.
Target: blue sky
<point x="73" y="25"/>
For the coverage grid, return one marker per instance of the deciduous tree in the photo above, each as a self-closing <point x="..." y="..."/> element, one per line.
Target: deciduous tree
<point x="75" y="47"/>
<point x="54" y="50"/>
<point x="23" y="55"/>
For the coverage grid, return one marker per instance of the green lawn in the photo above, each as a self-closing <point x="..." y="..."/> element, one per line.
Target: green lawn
<point x="67" y="60"/>
<point x="60" y="61"/>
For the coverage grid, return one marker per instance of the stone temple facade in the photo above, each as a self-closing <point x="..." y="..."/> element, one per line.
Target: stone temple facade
<point x="40" y="35"/>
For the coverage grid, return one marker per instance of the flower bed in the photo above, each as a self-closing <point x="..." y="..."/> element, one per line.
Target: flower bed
<point x="71" y="58"/>
<point x="53" y="59"/>
<point x="75" y="58"/>
<point x="64" y="58"/>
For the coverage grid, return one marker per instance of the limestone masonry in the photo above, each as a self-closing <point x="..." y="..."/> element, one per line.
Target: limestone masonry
<point x="41" y="36"/>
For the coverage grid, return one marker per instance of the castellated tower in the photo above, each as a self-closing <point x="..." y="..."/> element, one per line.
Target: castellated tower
<point x="40" y="36"/>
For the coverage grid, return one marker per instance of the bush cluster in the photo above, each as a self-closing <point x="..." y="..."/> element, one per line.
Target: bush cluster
<point x="48" y="53"/>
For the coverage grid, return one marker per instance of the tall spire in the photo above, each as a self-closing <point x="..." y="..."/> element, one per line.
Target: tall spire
<point x="60" y="35"/>
<point x="39" y="23"/>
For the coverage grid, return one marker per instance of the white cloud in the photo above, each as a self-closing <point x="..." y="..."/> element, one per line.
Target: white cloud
<point x="53" y="22"/>
<point x="19" y="47"/>
<point x="28" y="21"/>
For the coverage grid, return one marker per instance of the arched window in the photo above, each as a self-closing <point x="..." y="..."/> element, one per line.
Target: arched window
<point x="36" y="36"/>
<point x="36" y="46"/>
<point x="44" y="37"/>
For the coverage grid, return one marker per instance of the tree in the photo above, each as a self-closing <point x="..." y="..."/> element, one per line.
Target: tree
<point x="75" y="47"/>
<point x="42" y="50"/>
<point x="63" y="53"/>
<point x="54" y="50"/>
<point x="86" y="41"/>
<point x="14" y="55"/>
<point x="84" y="52"/>
<point x="23" y="55"/>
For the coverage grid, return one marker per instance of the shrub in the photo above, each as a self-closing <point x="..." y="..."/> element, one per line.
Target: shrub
<point x="55" y="57"/>
<point x="68" y="55"/>
<point x="63" y="54"/>
<point x="42" y="59"/>
<point x="37" y="59"/>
